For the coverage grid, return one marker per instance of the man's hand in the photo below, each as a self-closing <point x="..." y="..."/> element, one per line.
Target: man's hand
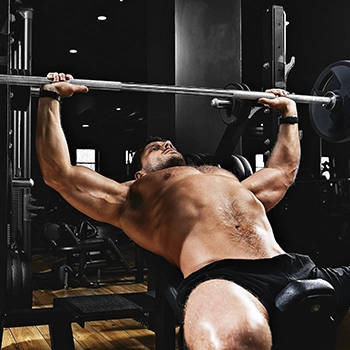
<point x="281" y="104"/>
<point x="59" y="84"/>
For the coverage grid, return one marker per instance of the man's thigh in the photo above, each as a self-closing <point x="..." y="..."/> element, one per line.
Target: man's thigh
<point x="221" y="312"/>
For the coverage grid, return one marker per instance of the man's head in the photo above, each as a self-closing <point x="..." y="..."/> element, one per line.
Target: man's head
<point x="155" y="153"/>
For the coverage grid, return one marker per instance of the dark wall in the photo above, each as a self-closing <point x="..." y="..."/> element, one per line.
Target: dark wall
<point x="161" y="67"/>
<point x="196" y="43"/>
<point x="208" y="53"/>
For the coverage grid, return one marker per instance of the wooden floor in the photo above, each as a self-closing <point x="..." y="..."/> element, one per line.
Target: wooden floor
<point x="96" y="335"/>
<point x="99" y="335"/>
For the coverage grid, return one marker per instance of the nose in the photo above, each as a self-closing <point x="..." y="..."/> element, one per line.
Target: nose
<point x="167" y="144"/>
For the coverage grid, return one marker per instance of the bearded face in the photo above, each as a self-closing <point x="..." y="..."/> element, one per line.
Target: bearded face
<point x="159" y="155"/>
<point x="165" y="161"/>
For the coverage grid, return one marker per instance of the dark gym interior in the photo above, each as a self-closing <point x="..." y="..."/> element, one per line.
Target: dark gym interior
<point x="188" y="43"/>
<point x="117" y="49"/>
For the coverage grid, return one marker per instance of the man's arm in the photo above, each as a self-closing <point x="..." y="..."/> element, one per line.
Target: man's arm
<point x="91" y="193"/>
<point x="271" y="183"/>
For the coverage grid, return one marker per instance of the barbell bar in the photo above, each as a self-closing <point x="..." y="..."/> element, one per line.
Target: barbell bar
<point x="329" y="104"/>
<point x="327" y="101"/>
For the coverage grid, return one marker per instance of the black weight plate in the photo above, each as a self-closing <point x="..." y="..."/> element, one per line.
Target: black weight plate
<point x="211" y="160"/>
<point x="240" y="107"/>
<point x="237" y="167"/>
<point x="193" y="159"/>
<point x="208" y="159"/>
<point x="247" y="167"/>
<point x="19" y="280"/>
<point x="333" y="125"/>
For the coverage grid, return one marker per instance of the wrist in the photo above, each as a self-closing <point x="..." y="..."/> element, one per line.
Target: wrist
<point x="50" y="94"/>
<point x="290" y="119"/>
<point x="289" y="111"/>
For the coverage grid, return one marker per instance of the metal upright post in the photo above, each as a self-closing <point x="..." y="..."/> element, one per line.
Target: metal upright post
<point x="19" y="269"/>
<point x="274" y="66"/>
<point x="4" y="148"/>
<point x="22" y="183"/>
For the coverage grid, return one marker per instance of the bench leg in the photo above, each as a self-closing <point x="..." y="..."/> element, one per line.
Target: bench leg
<point x="61" y="336"/>
<point x="165" y="323"/>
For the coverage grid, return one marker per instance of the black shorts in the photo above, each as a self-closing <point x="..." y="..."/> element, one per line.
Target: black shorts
<point x="265" y="278"/>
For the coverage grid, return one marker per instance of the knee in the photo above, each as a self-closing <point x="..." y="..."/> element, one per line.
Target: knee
<point x="251" y="334"/>
<point x="238" y="335"/>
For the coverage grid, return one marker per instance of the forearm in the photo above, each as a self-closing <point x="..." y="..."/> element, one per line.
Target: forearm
<point x="271" y="183"/>
<point x="51" y="144"/>
<point x="286" y="153"/>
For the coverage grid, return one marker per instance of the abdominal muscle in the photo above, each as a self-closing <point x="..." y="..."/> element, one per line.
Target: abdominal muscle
<point x="218" y="245"/>
<point x="198" y="218"/>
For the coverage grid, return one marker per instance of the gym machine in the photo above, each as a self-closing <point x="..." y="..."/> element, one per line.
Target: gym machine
<point x="327" y="96"/>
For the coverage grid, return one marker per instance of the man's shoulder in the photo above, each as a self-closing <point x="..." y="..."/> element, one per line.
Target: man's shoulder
<point x="128" y="183"/>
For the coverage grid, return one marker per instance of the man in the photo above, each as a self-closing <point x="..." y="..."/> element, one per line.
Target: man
<point x="203" y="220"/>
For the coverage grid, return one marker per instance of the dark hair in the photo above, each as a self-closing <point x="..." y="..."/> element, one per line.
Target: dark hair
<point x="136" y="164"/>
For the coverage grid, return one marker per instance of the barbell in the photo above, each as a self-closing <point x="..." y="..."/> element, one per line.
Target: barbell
<point x="329" y="101"/>
<point x="23" y="80"/>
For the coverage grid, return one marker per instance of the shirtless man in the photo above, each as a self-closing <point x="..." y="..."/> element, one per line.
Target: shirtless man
<point x="202" y="220"/>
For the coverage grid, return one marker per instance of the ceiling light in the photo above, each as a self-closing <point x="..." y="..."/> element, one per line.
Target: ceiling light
<point x="85" y="125"/>
<point x="101" y="18"/>
<point x="73" y="51"/>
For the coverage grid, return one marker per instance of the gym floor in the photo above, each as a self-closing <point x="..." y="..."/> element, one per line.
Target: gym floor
<point x="108" y="334"/>
<point x="97" y="335"/>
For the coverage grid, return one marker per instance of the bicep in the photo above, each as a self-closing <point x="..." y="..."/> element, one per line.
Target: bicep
<point x="268" y="185"/>
<point x="91" y="193"/>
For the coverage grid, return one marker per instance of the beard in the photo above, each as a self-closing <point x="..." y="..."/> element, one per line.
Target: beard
<point x="161" y="163"/>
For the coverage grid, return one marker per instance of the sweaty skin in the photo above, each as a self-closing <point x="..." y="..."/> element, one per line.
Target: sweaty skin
<point x="194" y="216"/>
<point x="190" y="216"/>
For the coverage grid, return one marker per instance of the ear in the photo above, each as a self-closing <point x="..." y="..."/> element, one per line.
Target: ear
<point x="138" y="175"/>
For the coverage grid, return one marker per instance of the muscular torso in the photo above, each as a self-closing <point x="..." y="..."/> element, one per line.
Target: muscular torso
<point x="195" y="216"/>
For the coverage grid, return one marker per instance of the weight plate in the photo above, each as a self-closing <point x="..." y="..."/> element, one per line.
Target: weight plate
<point x="247" y="167"/>
<point x="333" y="125"/>
<point x="193" y="159"/>
<point x="240" y="107"/>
